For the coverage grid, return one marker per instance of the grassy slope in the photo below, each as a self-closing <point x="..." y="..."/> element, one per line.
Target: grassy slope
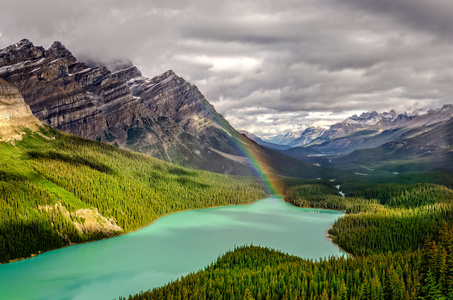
<point x="57" y="189"/>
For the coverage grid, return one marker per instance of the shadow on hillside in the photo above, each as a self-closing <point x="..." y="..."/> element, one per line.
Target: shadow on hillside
<point x="6" y="176"/>
<point x="73" y="160"/>
<point x="191" y="183"/>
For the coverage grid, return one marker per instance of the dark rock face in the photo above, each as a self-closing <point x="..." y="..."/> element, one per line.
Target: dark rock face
<point x="164" y="116"/>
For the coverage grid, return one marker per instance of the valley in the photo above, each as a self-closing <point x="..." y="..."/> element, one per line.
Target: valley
<point x="92" y="151"/>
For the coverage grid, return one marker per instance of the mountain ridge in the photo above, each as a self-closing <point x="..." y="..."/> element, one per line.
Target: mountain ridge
<point x="164" y="116"/>
<point x="122" y="108"/>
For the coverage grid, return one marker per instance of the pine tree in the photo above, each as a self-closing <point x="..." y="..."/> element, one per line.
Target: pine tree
<point x="430" y="290"/>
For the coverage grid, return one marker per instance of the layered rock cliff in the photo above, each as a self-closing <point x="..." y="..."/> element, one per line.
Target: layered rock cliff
<point x="15" y="114"/>
<point x="164" y="116"/>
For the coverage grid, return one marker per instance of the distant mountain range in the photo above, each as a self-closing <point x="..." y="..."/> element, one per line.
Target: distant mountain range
<point x="296" y="139"/>
<point x="264" y="143"/>
<point x="426" y="143"/>
<point x="317" y="135"/>
<point x="372" y="138"/>
<point x="164" y="116"/>
<point x="371" y="130"/>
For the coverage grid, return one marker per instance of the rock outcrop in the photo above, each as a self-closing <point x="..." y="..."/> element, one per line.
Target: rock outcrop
<point x="15" y="114"/>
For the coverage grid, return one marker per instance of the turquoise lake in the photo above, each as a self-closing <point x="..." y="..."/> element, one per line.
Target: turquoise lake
<point x="173" y="246"/>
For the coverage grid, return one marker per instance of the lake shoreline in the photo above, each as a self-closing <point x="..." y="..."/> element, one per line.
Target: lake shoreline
<point x="171" y="248"/>
<point x="328" y="236"/>
<point x="123" y="233"/>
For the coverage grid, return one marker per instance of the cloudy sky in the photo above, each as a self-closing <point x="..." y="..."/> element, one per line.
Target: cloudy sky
<point x="267" y="66"/>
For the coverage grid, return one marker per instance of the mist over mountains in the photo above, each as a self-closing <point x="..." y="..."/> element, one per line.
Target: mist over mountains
<point x="164" y="116"/>
<point x="170" y="119"/>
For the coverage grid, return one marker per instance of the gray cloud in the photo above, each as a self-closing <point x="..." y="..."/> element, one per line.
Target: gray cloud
<point x="267" y="66"/>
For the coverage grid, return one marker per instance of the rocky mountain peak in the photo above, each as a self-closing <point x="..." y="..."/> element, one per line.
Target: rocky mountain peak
<point x="389" y="115"/>
<point x="365" y="118"/>
<point x="24" y="43"/>
<point x="164" y="116"/>
<point x="20" y="52"/>
<point x="57" y="45"/>
<point x="366" y="115"/>
<point x="169" y="73"/>
<point x="447" y="107"/>
<point x="58" y="50"/>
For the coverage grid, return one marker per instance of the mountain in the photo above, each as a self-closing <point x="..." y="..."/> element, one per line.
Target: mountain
<point x="262" y="142"/>
<point x="164" y="116"/>
<point x="371" y="130"/>
<point x="426" y="148"/>
<point x="284" y="139"/>
<point x="354" y="123"/>
<point x="297" y="138"/>
<point x="307" y="136"/>
<point x="15" y="115"/>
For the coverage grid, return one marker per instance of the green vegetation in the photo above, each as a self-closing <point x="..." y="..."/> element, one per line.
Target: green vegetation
<point x="436" y="267"/>
<point x="398" y="234"/>
<point x="323" y="194"/>
<point x="259" y="273"/>
<point x="57" y="189"/>
<point x="395" y="230"/>
<point x="398" y="219"/>
<point x="381" y="217"/>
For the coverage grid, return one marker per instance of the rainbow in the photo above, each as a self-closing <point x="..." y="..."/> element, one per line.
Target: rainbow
<point x="259" y="167"/>
<point x="256" y="162"/>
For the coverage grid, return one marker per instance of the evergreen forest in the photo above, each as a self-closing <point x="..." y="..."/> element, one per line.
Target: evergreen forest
<point x="57" y="189"/>
<point x="399" y="237"/>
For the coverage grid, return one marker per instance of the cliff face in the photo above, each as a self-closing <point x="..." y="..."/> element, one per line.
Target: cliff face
<point x="164" y="116"/>
<point x="15" y="114"/>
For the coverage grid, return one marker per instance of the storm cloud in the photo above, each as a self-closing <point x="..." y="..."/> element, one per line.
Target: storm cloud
<point x="267" y="66"/>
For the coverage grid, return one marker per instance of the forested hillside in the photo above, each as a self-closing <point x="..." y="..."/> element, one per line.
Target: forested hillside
<point x="57" y="189"/>
<point x="259" y="273"/>
<point x="400" y="238"/>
